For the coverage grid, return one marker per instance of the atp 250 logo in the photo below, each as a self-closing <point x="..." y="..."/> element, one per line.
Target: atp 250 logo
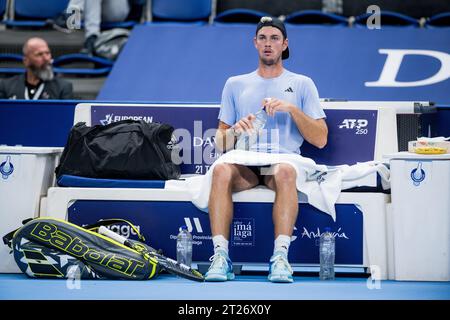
<point x="359" y="125"/>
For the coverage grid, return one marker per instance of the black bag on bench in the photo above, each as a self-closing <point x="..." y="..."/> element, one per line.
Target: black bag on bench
<point x="125" y="149"/>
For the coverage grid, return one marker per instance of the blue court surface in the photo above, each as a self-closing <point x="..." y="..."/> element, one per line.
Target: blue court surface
<point x="244" y="287"/>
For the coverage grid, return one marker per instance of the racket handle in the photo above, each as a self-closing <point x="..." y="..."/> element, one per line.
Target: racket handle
<point x="111" y="234"/>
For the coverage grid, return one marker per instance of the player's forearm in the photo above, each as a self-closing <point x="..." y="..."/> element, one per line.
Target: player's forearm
<point x="314" y="131"/>
<point x="225" y="140"/>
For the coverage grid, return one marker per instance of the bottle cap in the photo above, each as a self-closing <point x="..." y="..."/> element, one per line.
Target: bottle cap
<point x="183" y="228"/>
<point x="327" y="229"/>
<point x="266" y="100"/>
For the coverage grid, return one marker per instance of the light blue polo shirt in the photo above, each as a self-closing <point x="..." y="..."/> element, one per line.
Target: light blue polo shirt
<point x="244" y="94"/>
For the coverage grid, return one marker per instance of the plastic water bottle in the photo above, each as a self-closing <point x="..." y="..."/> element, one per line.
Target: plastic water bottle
<point x="327" y="252"/>
<point x="246" y="140"/>
<point x="260" y="119"/>
<point x="184" y="246"/>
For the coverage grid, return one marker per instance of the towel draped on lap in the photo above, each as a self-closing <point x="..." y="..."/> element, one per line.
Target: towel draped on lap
<point x="320" y="183"/>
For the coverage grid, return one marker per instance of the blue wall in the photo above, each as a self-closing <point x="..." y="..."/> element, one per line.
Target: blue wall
<point x="47" y="123"/>
<point x="36" y="123"/>
<point x="176" y="63"/>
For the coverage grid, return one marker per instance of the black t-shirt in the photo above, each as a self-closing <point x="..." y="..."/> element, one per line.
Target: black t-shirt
<point x="15" y="88"/>
<point x="33" y="89"/>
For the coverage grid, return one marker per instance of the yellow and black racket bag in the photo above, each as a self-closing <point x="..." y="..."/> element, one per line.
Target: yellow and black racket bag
<point x="53" y="248"/>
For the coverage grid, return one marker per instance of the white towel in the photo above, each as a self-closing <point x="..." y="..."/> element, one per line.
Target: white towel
<point x="321" y="184"/>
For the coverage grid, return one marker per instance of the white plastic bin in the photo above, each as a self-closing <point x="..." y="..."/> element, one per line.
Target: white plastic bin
<point x="25" y="175"/>
<point x="420" y="187"/>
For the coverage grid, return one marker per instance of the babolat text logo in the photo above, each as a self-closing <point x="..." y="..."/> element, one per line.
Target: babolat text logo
<point x="74" y="246"/>
<point x="353" y="124"/>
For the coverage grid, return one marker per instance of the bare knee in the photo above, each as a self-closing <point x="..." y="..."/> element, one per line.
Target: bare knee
<point x="284" y="175"/>
<point x="222" y="174"/>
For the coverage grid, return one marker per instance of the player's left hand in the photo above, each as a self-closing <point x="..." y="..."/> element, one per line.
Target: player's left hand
<point x="275" y="105"/>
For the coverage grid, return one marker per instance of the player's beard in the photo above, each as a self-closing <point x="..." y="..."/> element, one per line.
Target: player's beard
<point x="45" y="73"/>
<point x="270" y="61"/>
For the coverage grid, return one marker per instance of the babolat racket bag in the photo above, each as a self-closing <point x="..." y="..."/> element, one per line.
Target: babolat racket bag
<point x="52" y="248"/>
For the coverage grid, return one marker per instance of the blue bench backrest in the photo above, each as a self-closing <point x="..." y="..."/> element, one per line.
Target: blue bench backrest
<point x="39" y="9"/>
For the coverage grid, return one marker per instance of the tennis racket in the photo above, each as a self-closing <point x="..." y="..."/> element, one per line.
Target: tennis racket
<point x="148" y="253"/>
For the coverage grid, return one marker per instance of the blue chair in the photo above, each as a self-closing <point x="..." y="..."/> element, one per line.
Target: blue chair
<point x="134" y="17"/>
<point x="240" y="16"/>
<point x="389" y="18"/>
<point x="101" y="66"/>
<point x="2" y="8"/>
<point x="439" y="20"/>
<point x="33" y="13"/>
<point x="181" y="10"/>
<point x="315" y="17"/>
<point x="14" y="59"/>
<point x="128" y="24"/>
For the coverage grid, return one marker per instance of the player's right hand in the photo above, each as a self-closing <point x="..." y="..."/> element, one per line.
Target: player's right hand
<point x="245" y="124"/>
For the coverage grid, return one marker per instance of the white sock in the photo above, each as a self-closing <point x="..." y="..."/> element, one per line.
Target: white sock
<point x="282" y="243"/>
<point x="221" y="243"/>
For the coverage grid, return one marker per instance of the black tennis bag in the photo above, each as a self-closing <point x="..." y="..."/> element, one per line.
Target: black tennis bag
<point x="125" y="149"/>
<point x="52" y="248"/>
